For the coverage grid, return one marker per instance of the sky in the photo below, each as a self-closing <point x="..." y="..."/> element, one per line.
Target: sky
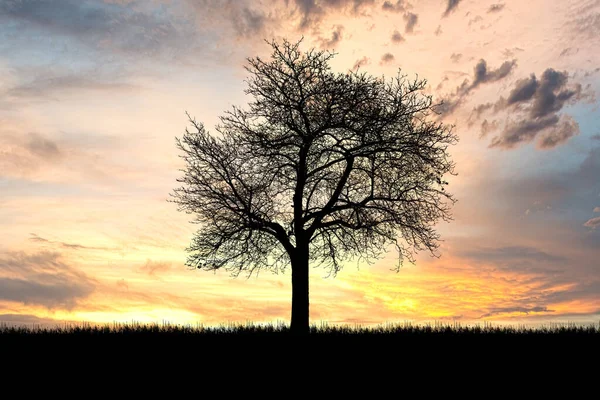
<point x="94" y="92"/>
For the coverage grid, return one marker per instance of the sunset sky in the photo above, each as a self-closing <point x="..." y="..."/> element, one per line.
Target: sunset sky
<point x="94" y="92"/>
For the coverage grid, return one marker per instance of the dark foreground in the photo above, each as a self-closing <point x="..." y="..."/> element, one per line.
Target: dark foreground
<point x="392" y="337"/>
<point x="269" y="355"/>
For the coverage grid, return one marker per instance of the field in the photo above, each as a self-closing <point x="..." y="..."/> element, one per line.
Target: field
<point x="166" y="330"/>
<point x="335" y="350"/>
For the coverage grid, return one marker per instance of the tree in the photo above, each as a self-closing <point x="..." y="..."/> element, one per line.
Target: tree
<point x="320" y="167"/>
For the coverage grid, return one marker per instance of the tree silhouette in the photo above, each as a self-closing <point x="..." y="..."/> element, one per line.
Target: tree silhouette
<point x="321" y="167"/>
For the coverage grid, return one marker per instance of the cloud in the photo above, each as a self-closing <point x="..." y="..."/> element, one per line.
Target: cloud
<point x="399" y="6"/>
<point x="509" y="53"/>
<point x="41" y="86"/>
<point x="438" y="31"/>
<point x="452" y="4"/>
<point x="510" y="253"/>
<point x="559" y="134"/>
<point x="411" y="20"/>
<point x="487" y="127"/>
<point x="144" y="28"/>
<point x="524" y="90"/>
<point x="313" y="12"/>
<point x="455" y="57"/>
<point x="27" y="320"/>
<point x="593" y="223"/>
<point x="495" y="8"/>
<point x="540" y="100"/>
<point x="482" y="75"/>
<point x="587" y="25"/>
<point x="387" y="58"/>
<point x="362" y="62"/>
<point x="481" y="108"/>
<point x="475" y="20"/>
<point x="336" y="37"/>
<point x="23" y="153"/>
<point x="597" y="209"/>
<point x="153" y="267"/>
<point x="42" y="278"/>
<point x="249" y="22"/>
<point x="521" y="310"/>
<point x="74" y="246"/>
<point x="525" y="130"/>
<point x="42" y="146"/>
<point x="546" y="101"/>
<point x="397" y="37"/>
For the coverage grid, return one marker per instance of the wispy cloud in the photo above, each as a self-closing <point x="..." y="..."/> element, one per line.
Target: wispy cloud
<point x="451" y="7"/>
<point x="43" y="279"/>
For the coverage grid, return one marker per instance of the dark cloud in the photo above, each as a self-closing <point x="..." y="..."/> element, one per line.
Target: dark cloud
<point x="143" y="28"/>
<point x="541" y="100"/>
<point x="548" y="98"/>
<point x="313" y="12"/>
<point x="70" y="16"/>
<point x="592" y="72"/>
<point x="511" y="253"/>
<point x="28" y="320"/>
<point x="74" y="246"/>
<point x="482" y="75"/>
<point x="387" y="58"/>
<point x="524" y="90"/>
<point x="244" y="20"/>
<point x="336" y="37"/>
<point x="522" y="310"/>
<point x="552" y="133"/>
<point x="487" y="127"/>
<point x="568" y="51"/>
<point x="42" y="86"/>
<point x="595" y="137"/>
<point x="559" y="134"/>
<point x="411" y="20"/>
<point x="480" y="109"/>
<point x="362" y="62"/>
<point x="524" y="130"/>
<point x="441" y="84"/>
<point x="397" y="7"/>
<point x="495" y="8"/>
<point x="452" y="4"/>
<point x="397" y="37"/>
<point x="42" y="147"/>
<point x="249" y="22"/>
<point x="42" y="279"/>
<point x="455" y="57"/>
<point x="593" y="223"/>
<point x="438" y="31"/>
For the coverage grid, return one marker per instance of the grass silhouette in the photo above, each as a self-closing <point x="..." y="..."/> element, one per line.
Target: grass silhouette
<point x="255" y="348"/>
<point x="167" y="330"/>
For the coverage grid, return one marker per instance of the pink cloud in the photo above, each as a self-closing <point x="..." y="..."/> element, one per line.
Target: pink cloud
<point x="593" y="223"/>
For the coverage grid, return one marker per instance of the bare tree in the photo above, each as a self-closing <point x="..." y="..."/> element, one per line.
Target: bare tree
<point x="319" y="168"/>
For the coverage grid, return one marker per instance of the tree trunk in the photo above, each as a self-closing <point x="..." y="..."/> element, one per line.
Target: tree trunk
<point x="300" y="309"/>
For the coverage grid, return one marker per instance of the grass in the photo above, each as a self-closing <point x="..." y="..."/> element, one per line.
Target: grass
<point x="257" y="348"/>
<point x="167" y="330"/>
